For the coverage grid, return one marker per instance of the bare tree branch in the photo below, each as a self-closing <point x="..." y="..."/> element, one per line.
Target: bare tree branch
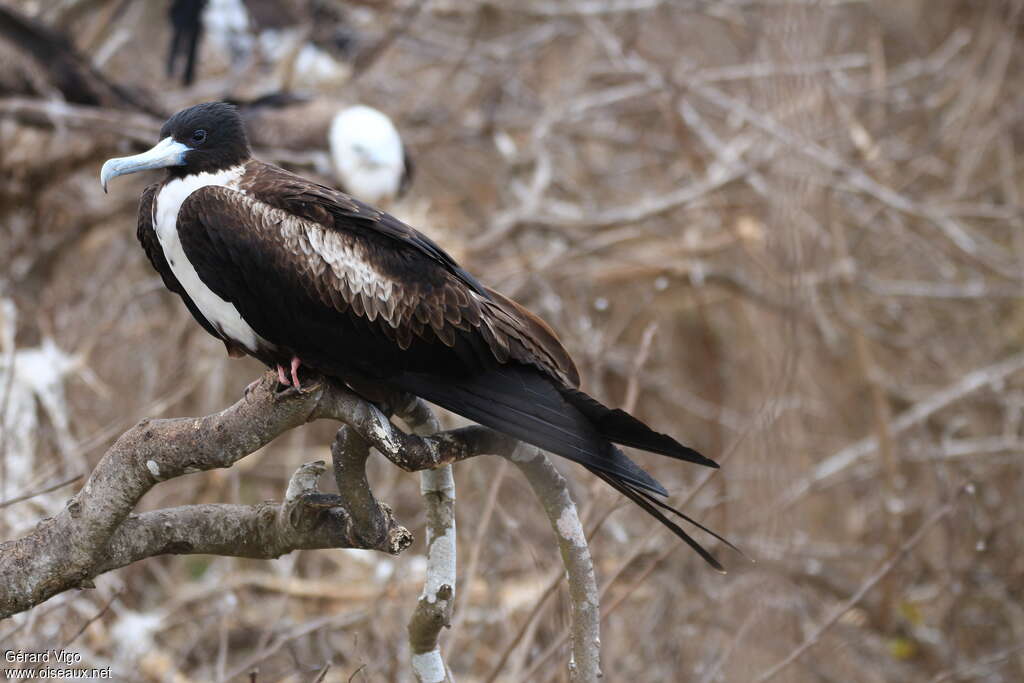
<point x="141" y="129"/>
<point x="550" y="488"/>
<point x="434" y="607"/>
<point x="870" y="583"/>
<point x="96" y="531"/>
<point x="264" y="531"/>
<point x="846" y="457"/>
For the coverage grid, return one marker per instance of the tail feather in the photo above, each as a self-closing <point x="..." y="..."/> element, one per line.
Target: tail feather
<point x="665" y="506"/>
<point x="620" y="427"/>
<point x="525" y="404"/>
<point x="648" y="505"/>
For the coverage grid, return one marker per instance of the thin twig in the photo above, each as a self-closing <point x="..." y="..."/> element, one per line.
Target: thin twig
<point x="90" y="621"/>
<point x="879" y="574"/>
<point x="48" y="489"/>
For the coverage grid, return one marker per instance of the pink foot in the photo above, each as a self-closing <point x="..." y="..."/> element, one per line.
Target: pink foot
<point x="295" y="372"/>
<point x="282" y="378"/>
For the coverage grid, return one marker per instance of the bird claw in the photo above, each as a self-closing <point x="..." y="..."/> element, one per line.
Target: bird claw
<point x="314" y="500"/>
<point x="250" y="388"/>
<point x="307" y="510"/>
<point x="286" y="390"/>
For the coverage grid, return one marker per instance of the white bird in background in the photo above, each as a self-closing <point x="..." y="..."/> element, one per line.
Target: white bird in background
<point x="358" y="145"/>
<point x="370" y="162"/>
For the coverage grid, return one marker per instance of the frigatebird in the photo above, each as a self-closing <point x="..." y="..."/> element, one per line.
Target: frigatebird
<point x="299" y="274"/>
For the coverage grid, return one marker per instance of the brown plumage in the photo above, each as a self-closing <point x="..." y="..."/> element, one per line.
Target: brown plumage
<point x="293" y="273"/>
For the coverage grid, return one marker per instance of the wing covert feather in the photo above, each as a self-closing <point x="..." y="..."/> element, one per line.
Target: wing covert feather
<point x="404" y="292"/>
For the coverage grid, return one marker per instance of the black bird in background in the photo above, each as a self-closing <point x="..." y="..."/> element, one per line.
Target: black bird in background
<point x="299" y="274"/>
<point x="187" y="30"/>
<point x="328" y="29"/>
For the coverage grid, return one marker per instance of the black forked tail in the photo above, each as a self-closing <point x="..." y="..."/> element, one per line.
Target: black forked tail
<point x="650" y="505"/>
<point x="620" y="427"/>
<point x="523" y="403"/>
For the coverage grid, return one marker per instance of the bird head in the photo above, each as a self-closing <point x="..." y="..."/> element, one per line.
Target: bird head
<point x="204" y="138"/>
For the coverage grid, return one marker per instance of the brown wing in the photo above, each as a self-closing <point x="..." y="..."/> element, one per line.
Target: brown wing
<point x="538" y="338"/>
<point x="294" y="280"/>
<point x="365" y="289"/>
<point x="336" y="210"/>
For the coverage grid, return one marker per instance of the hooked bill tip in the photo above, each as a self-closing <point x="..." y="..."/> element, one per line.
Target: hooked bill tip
<point x="104" y="178"/>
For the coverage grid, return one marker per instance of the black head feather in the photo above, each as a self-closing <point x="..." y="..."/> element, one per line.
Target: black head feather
<point x="214" y="134"/>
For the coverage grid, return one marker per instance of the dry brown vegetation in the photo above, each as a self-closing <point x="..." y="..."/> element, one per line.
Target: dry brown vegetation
<point x="790" y="233"/>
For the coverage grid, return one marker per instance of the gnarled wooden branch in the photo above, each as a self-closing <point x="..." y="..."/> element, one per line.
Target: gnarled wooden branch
<point x="97" y="531"/>
<point x="305" y="520"/>
<point x="550" y="488"/>
<point x="90" y="535"/>
<point x="434" y="607"/>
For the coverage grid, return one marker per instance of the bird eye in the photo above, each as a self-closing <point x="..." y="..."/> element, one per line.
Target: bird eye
<point x="199" y="135"/>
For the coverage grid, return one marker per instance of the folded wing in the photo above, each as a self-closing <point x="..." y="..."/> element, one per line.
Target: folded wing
<point x="352" y="290"/>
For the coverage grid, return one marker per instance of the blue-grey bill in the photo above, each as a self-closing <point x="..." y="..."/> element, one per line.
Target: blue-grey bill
<point x="167" y="152"/>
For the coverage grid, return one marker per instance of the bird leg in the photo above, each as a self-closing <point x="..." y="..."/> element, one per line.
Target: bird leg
<point x="295" y="372"/>
<point x="283" y="377"/>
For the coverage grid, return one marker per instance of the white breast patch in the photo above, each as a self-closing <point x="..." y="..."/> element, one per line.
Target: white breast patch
<point x="222" y="315"/>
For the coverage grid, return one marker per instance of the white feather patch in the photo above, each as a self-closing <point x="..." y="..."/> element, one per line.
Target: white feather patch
<point x="345" y="256"/>
<point x="221" y="314"/>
